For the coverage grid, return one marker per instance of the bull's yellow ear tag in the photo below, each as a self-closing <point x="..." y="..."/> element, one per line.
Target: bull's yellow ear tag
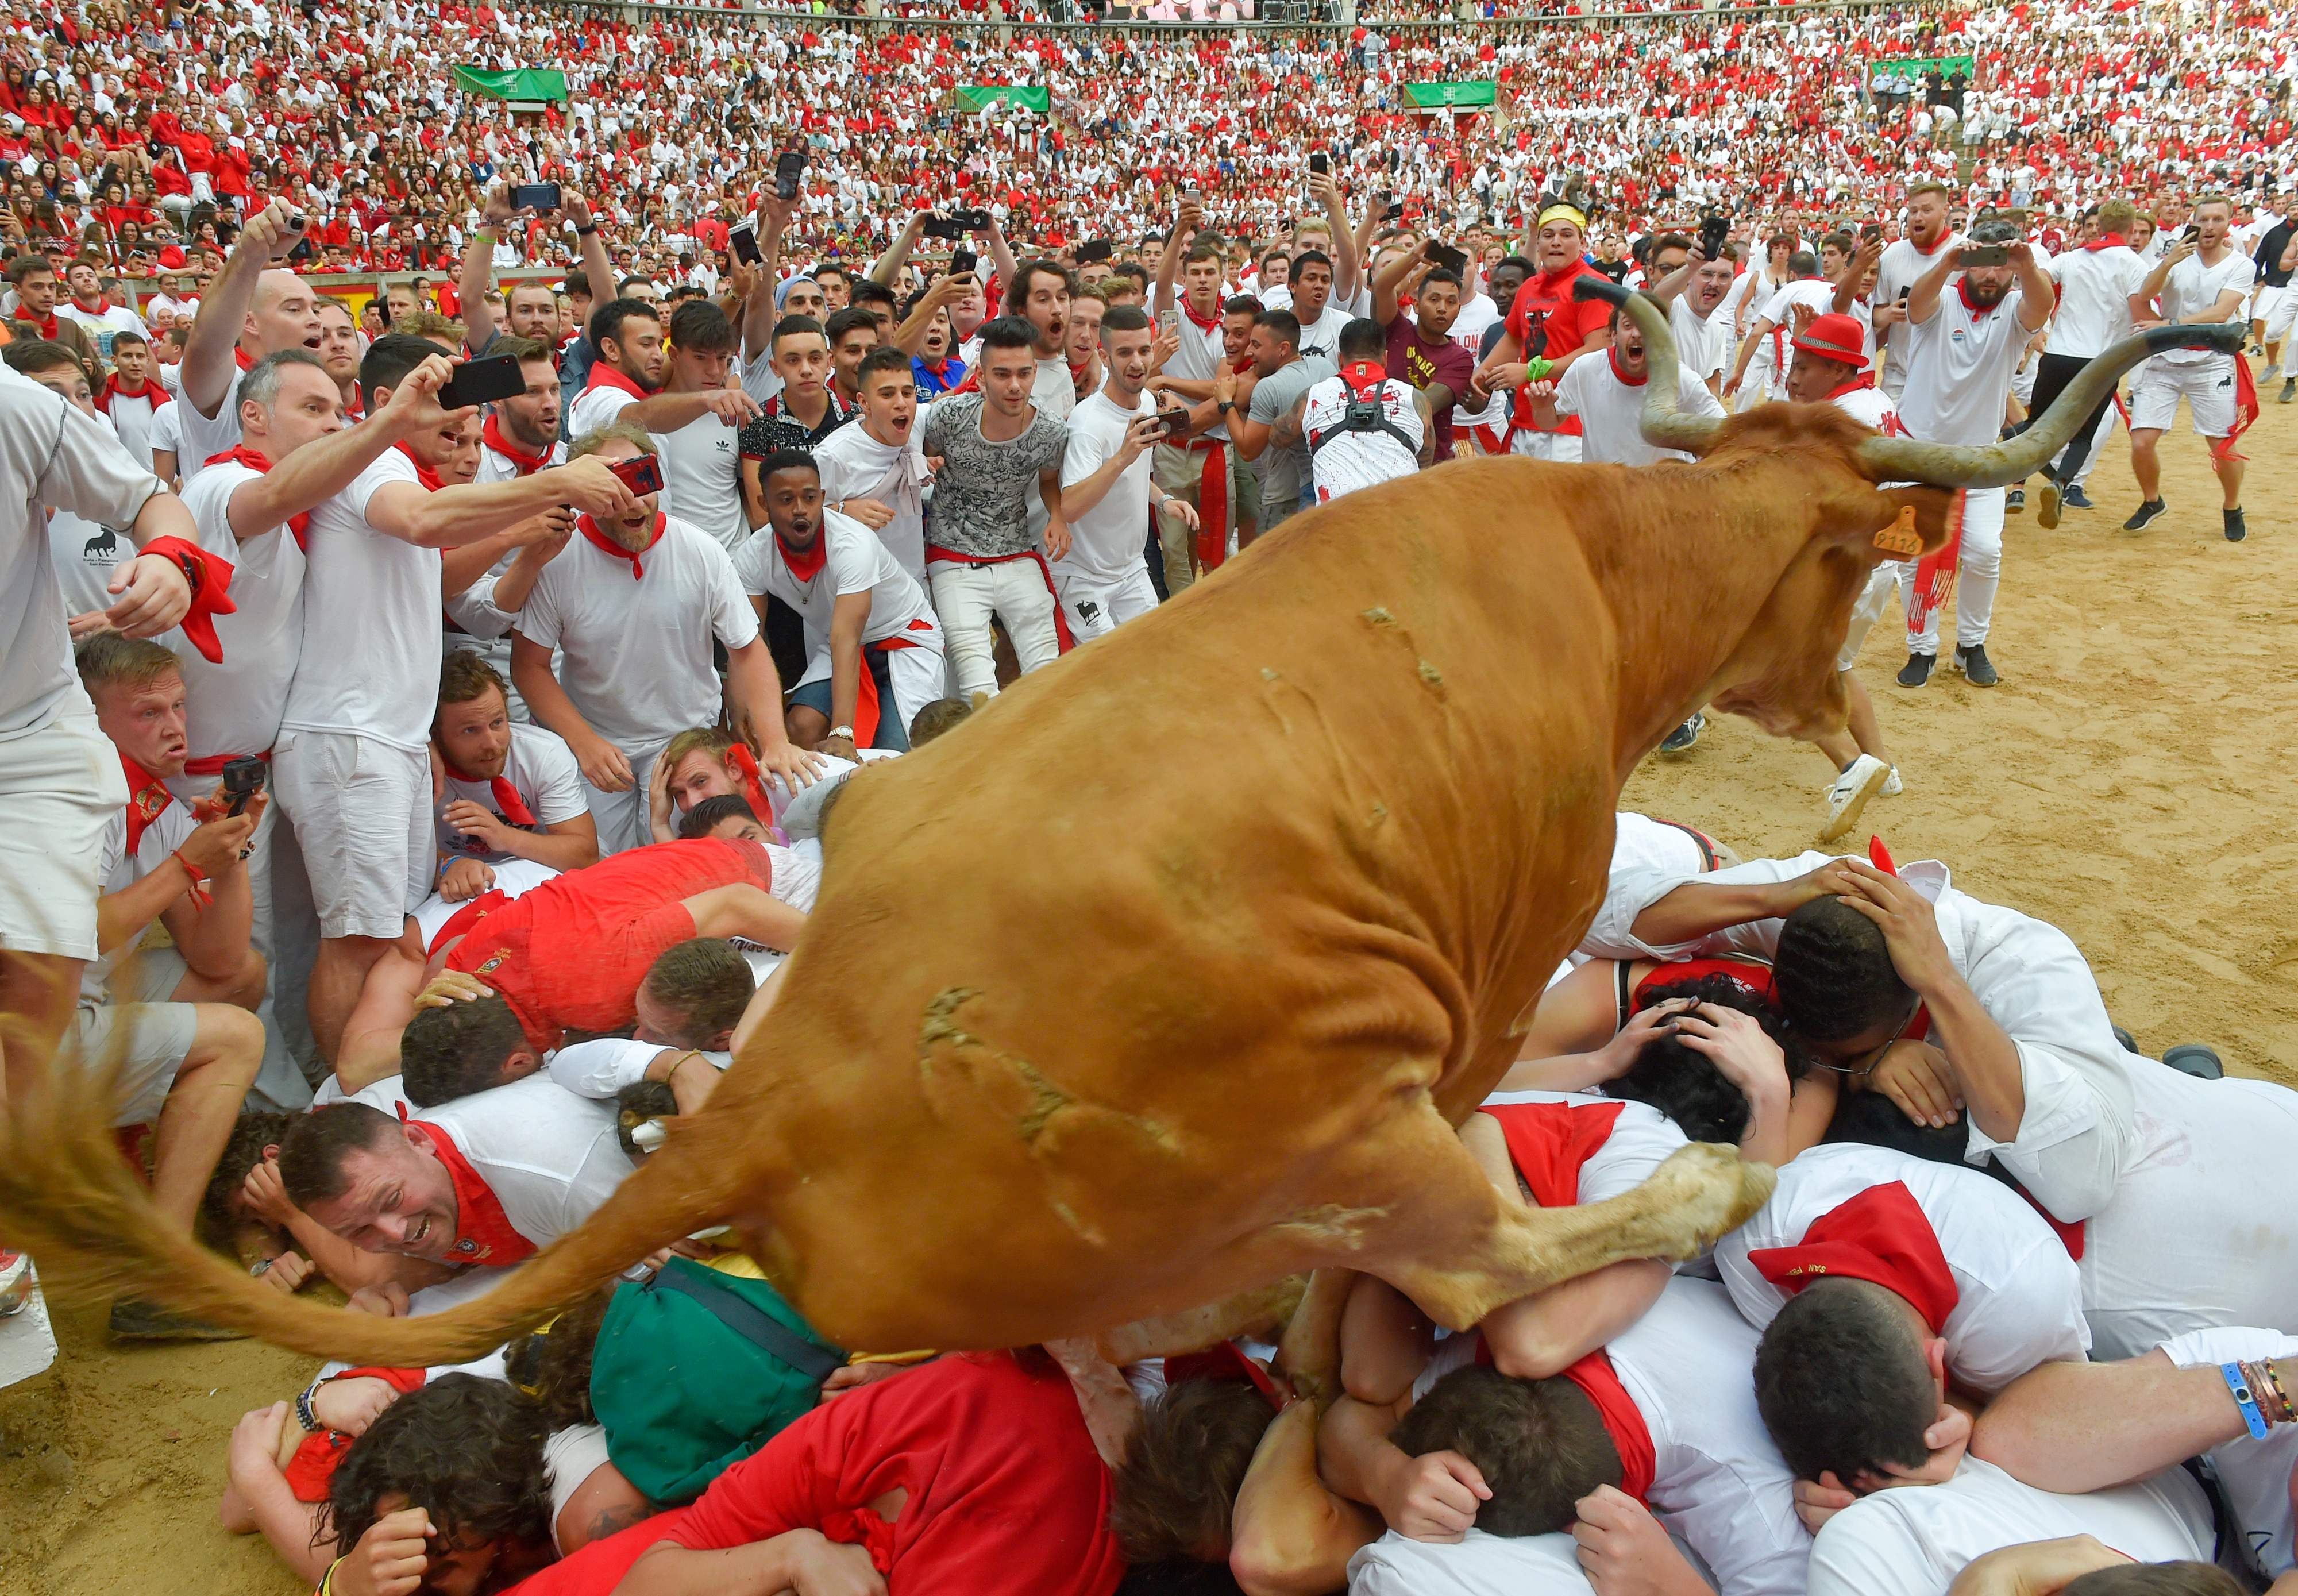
<point x="1900" y="537"/>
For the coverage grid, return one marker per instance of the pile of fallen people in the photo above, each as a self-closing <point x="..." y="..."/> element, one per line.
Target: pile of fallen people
<point x="2018" y="1317"/>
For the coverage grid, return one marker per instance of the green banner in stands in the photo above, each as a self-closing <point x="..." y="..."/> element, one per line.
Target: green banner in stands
<point x="973" y="96"/>
<point x="1923" y="66"/>
<point x="525" y="83"/>
<point x="1478" y="95"/>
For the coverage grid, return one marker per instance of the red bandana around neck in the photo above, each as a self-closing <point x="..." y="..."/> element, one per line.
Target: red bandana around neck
<point x="424" y="473"/>
<point x="1613" y="354"/>
<point x="259" y="462"/>
<point x="744" y="763"/>
<point x="1962" y="287"/>
<point x="1365" y="379"/>
<point x="46" y="329"/>
<point x="2110" y="240"/>
<point x="1204" y="324"/>
<point x="1550" y="1141"/>
<point x="483" y="1230"/>
<point x="1624" y="1421"/>
<point x="525" y="464"/>
<point x="605" y="544"/>
<point x="805" y="567"/>
<point x="1881" y="1235"/>
<point x="240" y="357"/>
<point x="507" y="802"/>
<point x="1226" y="1362"/>
<point x="1866" y="379"/>
<point x="112" y="390"/>
<point x="603" y="376"/>
<point x="148" y="798"/>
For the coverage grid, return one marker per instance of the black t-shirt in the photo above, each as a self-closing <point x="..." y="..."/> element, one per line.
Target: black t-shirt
<point x="2272" y="272"/>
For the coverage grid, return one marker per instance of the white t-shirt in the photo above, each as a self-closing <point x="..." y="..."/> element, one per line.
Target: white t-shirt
<point x="550" y="1157"/>
<point x="514" y="878"/>
<point x="132" y="418"/>
<point x="85" y="556"/>
<point x="1476" y="318"/>
<point x="2019" y="1298"/>
<point x="1959" y="368"/>
<point x="2095" y="290"/>
<point x="634" y="651"/>
<point x="2193" y="289"/>
<point x="1871" y="406"/>
<point x="702" y="477"/>
<point x="1354" y="461"/>
<point x="2255" y="1473"/>
<point x="1902" y="266"/>
<point x="541" y="768"/>
<point x="1106" y="539"/>
<point x="1913" y="1541"/>
<point x="1476" y="1564"/>
<point x="206" y="436"/>
<point x="372" y="638"/>
<point x="1322" y="336"/>
<point x="1611" y="412"/>
<point x="1053" y="393"/>
<point x="1201" y="356"/>
<point x="166" y="432"/>
<point x="595" y="406"/>
<point x="116" y="871"/>
<point x="235" y="708"/>
<point x="856" y="563"/>
<point x="1702" y="343"/>
<point x="853" y="465"/>
<point x="51" y="454"/>
<point x="1640" y="1140"/>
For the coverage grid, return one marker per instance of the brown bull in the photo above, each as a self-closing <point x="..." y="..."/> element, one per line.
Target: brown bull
<point x="1172" y="972"/>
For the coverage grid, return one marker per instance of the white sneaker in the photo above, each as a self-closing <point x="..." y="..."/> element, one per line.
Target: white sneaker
<point x="15" y="1283"/>
<point x="1848" y="794"/>
<point x="1891" y="789"/>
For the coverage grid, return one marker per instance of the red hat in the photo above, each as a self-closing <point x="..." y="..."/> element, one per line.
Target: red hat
<point x="1835" y="337"/>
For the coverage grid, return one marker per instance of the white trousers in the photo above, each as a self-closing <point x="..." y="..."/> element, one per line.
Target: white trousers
<point x="1095" y="608"/>
<point x="60" y="787"/>
<point x="1563" y="448"/>
<point x="965" y="597"/>
<point x="624" y="823"/>
<point x="1979" y="575"/>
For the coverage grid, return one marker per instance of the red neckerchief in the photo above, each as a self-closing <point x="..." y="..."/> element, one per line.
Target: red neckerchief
<point x="1866" y="379"/>
<point x="935" y="370"/>
<point x="1550" y="1142"/>
<point x="507" y="802"/>
<point x="1225" y="1361"/>
<point x="1204" y="324"/>
<point x="240" y="357"/>
<point x="148" y="798"/>
<point x="1612" y="352"/>
<point x="805" y="567"/>
<point x="1962" y="287"/>
<point x="1241" y="365"/>
<point x="155" y="392"/>
<point x="483" y="1231"/>
<point x="1365" y="379"/>
<point x="1928" y="253"/>
<point x="525" y="464"/>
<point x="1880" y="1235"/>
<point x="601" y="541"/>
<point x="424" y="473"/>
<point x="2111" y="241"/>
<point x="46" y="329"/>
<point x="744" y="763"/>
<point x="1624" y="1421"/>
<point x="210" y="576"/>
<point x="603" y="376"/>
<point x="259" y="462"/>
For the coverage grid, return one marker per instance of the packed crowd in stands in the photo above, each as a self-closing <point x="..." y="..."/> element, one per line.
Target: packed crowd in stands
<point x="471" y="551"/>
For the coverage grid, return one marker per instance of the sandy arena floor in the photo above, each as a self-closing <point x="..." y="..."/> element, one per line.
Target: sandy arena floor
<point x="2132" y="781"/>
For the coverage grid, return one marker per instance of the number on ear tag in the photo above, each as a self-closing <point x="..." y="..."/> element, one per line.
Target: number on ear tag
<point x="1900" y="537"/>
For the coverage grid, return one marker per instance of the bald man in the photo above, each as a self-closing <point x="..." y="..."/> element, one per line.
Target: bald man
<point x="253" y="307"/>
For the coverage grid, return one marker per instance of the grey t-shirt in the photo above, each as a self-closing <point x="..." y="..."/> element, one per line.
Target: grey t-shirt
<point x="1284" y="470"/>
<point x="983" y="491"/>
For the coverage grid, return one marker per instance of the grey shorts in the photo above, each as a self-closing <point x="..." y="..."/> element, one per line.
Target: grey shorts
<point x="141" y="1034"/>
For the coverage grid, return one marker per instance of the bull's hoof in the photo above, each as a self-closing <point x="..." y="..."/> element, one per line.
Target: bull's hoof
<point x="1704" y="1190"/>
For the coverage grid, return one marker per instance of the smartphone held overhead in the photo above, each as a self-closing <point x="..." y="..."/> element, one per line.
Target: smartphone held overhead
<point x="483" y="382"/>
<point x="535" y="196"/>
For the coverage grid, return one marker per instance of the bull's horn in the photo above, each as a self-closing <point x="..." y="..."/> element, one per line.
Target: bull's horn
<point x="1664" y="426"/>
<point x="1998" y="465"/>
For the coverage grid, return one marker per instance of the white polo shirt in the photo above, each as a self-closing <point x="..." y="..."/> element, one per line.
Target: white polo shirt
<point x="635" y="650"/>
<point x="497" y="466"/>
<point x="2019" y="1298"/>
<point x="702" y="477"/>
<point x="131" y="419"/>
<point x="1959" y="368"/>
<point x="541" y="768"/>
<point x="550" y="1157"/>
<point x="856" y="562"/>
<point x="2095" y="290"/>
<point x="1913" y="1541"/>
<point x="372" y="638"/>
<point x="1201" y="356"/>
<point x="235" y="706"/>
<point x="1611" y="412"/>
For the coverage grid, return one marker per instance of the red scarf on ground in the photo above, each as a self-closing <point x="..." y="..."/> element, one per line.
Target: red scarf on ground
<point x="259" y="462"/>
<point x="150" y="390"/>
<point x="602" y="541"/>
<point x="424" y="473"/>
<point x="483" y="1231"/>
<point x="526" y="464"/>
<point x="1880" y="1235"/>
<point x="209" y="597"/>
<point x="507" y="802"/>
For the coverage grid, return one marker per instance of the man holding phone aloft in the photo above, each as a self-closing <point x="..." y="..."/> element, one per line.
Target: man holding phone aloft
<point x="1106" y="494"/>
<point x="531" y="309"/>
<point x="1964" y="349"/>
<point x="254" y="307"/>
<point x="2204" y="278"/>
<point x="631" y="607"/>
<point x="352" y="764"/>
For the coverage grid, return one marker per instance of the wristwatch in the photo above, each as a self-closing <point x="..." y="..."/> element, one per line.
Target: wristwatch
<point x="845" y="731"/>
<point x="1225" y="406"/>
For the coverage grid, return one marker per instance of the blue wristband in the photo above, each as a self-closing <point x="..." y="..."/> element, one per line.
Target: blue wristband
<point x="2244" y="1400"/>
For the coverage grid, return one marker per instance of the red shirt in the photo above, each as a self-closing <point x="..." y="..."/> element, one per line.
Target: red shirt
<point x="1006" y="1492"/>
<point x="1545" y="304"/>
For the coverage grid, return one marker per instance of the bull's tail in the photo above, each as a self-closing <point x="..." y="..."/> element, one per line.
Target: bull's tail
<point x="67" y="1198"/>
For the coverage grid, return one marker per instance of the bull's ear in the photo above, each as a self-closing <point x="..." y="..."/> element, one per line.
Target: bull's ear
<point x="1905" y="522"/>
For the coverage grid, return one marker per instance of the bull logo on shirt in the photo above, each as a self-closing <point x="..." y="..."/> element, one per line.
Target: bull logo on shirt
<point x="104" y="545"/>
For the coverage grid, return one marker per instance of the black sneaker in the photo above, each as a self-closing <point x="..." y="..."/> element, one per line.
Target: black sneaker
<point x="2145" y="514"/>
<point x="2074" y="497"/>
<point x="2237" y="528"/>
<point x="2192" y="1058"/>
<point x="133" y="1319"/>
<point x="2015" y="500"/>
<point x="1681" y="739"/>
<point x="1917" y="670"/>
<point x="1973" y="662"/>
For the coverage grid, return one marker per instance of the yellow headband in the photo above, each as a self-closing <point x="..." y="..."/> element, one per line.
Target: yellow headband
<point x="1560" y="211"/>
